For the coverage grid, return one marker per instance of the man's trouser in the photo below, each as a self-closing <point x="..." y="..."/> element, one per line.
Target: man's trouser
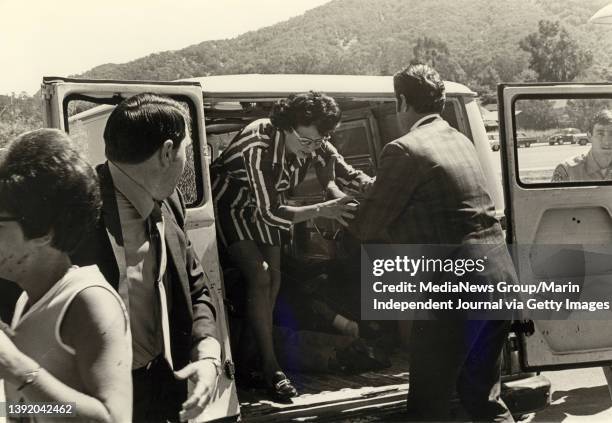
<point x="157" y="394"/>
<point x="457" y="355"/>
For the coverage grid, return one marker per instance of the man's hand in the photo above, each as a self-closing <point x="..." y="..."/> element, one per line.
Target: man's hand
<point x="339" y="209"/>
<point x="203" y="374"/>
<point x="366" y="186"/>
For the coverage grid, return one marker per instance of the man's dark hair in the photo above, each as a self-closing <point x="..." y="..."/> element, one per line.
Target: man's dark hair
<point x="603" y="117"/>
<point x="140" y="125"/>
<point x="47" y="185"/>
<point x="422" y="87"/>
<point x="305" y="109"/>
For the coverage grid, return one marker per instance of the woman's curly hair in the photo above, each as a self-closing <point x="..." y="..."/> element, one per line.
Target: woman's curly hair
<point x="49" y="187"/>
<point x="305" y="109"/>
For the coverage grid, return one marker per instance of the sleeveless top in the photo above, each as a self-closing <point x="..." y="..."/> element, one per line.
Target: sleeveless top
<point x="37" y="330"/>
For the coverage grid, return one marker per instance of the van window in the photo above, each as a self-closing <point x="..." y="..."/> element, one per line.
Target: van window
<point x="553" y="141"/>
<point x="353" y="140"/>
<point x="86" y="120"/>
<point x="389" y="129"/>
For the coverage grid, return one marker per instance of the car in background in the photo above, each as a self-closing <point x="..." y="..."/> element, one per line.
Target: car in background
<point x="523" y="140"/>
<point x="569" y="135"/>
<point x="493" y="140"/>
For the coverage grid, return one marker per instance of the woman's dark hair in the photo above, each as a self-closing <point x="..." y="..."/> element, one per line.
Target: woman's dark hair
<point x="48" y="187"/>
<point x="422" y="87"/>
<point x="139" y="126"/>
<point x="305" y="109"/>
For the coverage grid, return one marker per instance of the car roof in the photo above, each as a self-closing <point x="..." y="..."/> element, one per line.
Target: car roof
<point x="279" y="85"/>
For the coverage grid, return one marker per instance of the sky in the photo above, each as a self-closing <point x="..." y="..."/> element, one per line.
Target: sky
<point x="63" y="37"/>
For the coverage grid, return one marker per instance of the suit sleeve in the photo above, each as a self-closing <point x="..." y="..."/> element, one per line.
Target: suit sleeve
<point x="203" y="309"/>
<point x="396" y="180"/>
<point x="346" y="175"/>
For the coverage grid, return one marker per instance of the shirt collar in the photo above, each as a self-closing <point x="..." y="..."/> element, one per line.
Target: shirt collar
<point x="280" y="152"/>
<point x="424" y="118"/>
<point x="592" y="167"/>
<point x="135" y="193"/>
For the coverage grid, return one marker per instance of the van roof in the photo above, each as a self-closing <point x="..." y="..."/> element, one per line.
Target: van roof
<point x="271" y="86"/>
<point x="279" y="85"/>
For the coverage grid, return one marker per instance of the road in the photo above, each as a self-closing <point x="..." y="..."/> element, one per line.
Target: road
<point x="578" y="396"/>
<point x="542" y="157"/>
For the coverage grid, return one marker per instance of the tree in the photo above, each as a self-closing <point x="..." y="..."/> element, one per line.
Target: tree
<point x="536" y="114"/>
<point x="509" y="66"/>
<point x="580" y="112"/>
<point x="436" y="54"/>
<point x="555" y="56"/>
<point x="428" y="50"/>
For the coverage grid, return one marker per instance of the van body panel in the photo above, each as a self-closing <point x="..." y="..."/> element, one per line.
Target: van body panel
<point x="546" y="216"/>
<point x="87" y="129"/>
<point x="369" y="123"/>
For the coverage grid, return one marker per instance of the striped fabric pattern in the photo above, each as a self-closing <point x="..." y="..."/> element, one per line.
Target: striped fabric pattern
<point x="252" y="176"/>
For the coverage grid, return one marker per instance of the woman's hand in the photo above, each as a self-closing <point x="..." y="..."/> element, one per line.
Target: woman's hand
<point x="13" y="363"/>
<point x="338" y="209"/>
<point x="6" y="329"/>
<point x="366" y="186"/>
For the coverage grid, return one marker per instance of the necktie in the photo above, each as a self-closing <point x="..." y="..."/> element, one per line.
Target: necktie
<point x="156" y="232"/>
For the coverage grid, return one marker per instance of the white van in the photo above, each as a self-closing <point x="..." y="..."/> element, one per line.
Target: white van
<point x="221" y="105"/>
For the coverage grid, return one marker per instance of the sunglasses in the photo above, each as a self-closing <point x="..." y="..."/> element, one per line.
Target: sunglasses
<point x="309" y="142"/>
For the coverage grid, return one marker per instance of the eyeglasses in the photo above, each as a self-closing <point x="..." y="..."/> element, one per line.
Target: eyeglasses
<point x="309" y="142"/>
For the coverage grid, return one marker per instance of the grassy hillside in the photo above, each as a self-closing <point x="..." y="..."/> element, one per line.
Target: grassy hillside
<point x="377" y="37"/>
<point x="373" y="37"/>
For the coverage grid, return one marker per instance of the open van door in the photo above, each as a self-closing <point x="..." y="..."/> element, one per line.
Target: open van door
<point x="559" y="217"/>
<point x="81" y="108"/>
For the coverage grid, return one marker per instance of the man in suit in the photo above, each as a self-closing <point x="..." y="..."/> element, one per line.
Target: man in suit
<point x="430" y="189"/>
<point x="141" y="247"/>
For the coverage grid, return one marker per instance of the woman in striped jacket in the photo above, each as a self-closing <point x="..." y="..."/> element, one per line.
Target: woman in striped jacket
<point x="250" y="179"/>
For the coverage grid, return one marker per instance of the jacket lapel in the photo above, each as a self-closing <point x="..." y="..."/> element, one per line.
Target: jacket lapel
<point x="174" y="249"/>
<point x="111" y="225"/>
<point x="110" y="212"/>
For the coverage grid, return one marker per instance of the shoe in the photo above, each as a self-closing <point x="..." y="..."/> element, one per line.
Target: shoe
<point x="282" y="390"/>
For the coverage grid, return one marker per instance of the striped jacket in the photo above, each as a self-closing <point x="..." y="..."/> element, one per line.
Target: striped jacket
<point x="252" y="176"/>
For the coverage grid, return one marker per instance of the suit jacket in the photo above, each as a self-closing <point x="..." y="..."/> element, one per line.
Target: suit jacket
<point x="430" y="189"/>
<point x="192" y="314"/>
